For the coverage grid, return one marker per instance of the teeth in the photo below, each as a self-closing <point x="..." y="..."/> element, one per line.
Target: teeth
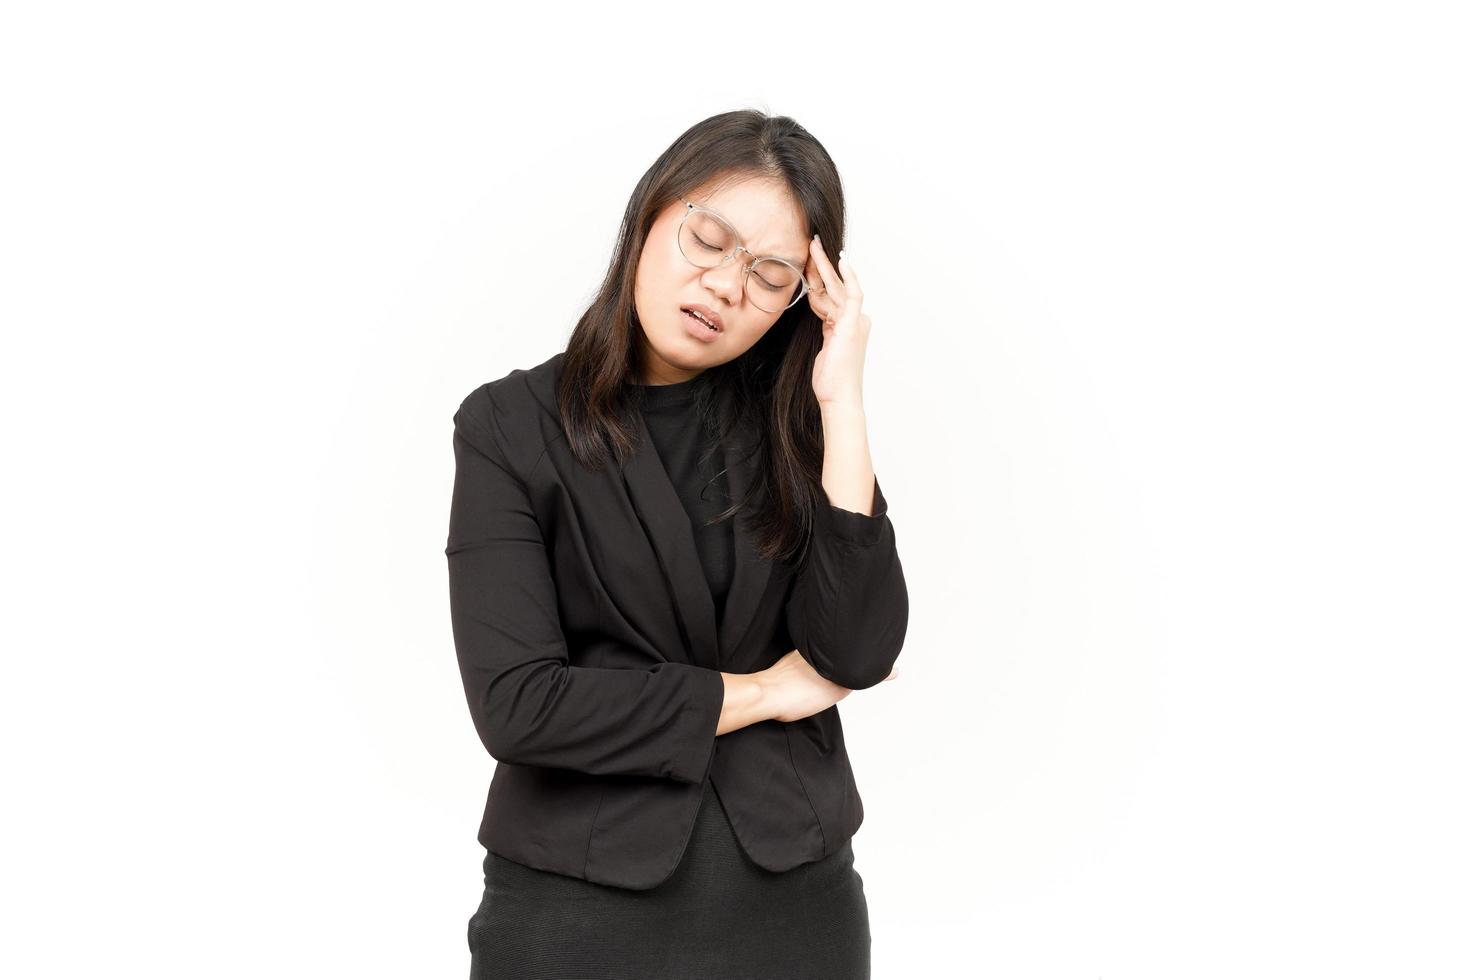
<point x="701" y="319"/>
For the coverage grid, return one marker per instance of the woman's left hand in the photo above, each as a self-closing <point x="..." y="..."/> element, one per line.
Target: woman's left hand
<point x="837" y="373"/>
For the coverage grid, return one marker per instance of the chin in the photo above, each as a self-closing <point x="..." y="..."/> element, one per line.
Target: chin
<point x="672" y="349"/>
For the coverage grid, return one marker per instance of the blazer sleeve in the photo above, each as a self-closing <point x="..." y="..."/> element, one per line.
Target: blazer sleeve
<point x="848" y="610"/>
<point x="529" y="705"/>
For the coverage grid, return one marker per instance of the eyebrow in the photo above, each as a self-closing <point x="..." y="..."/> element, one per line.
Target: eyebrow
<point x="742" y="238"/>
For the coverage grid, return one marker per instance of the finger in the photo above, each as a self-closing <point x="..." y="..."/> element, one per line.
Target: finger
<point x="819" y="303"/>
<point x="819" y="296"/>
<point x="816" y="281"/>
<point x="821" y="300"/>
<point x="830" y="278"/>
<point x="826" y="309"/>
<point x="849" y="276"/>
<point x="816" y="286"/>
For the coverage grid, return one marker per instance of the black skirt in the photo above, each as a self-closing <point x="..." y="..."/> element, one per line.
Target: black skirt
<point x="719" y="916"/>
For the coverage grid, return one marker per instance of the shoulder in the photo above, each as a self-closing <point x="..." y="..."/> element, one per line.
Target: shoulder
<point x="513" y="417"/>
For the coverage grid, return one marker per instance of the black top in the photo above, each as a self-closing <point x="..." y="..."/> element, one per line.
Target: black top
<point x="686" y="435"/>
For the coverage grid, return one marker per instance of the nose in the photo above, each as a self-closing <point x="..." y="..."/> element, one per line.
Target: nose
<point x="726" y="281"/>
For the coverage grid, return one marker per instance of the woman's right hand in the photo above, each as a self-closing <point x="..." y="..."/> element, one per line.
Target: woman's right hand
<point x="794" y="690"/>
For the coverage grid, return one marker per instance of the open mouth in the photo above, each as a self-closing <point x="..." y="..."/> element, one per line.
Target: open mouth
<point x="708" y="326"/>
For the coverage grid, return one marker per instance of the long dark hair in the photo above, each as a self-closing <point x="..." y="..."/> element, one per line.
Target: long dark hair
<point x="768" y="388"/>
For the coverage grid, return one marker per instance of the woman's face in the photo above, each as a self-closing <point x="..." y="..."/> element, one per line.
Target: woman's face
<point x="675" y="346"/>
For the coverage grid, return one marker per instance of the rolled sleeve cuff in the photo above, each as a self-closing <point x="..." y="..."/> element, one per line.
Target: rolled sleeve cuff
<point x="852" y="527"/>
<point x="702" y="719"/>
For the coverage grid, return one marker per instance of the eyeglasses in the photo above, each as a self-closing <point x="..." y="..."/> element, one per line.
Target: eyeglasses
<point x="708" y="241"/>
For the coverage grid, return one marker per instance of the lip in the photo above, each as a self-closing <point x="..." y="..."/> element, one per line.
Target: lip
<point x="705" y="312"/>
<point x="698" y="330"/>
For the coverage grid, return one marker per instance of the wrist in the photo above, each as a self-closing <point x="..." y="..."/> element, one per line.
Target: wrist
<point x="842" y="408"/>
<point x="765" y="698"/>
<point x="747" y="701"/>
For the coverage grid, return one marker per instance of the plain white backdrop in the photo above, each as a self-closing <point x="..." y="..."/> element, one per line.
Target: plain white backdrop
<point x="1166" y="389"/>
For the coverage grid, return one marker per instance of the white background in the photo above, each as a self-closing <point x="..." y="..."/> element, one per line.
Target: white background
<point x="1166" y="389"/>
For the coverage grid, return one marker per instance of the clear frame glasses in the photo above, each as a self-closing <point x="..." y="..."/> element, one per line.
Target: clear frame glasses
<point x="708" y="241"/>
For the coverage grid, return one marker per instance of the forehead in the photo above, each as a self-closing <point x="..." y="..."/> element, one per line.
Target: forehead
<point x="764" y="213"/>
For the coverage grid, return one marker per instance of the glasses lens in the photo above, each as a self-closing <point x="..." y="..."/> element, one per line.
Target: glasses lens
<point x="706" y="241"/>
<point x="772" y="285"/>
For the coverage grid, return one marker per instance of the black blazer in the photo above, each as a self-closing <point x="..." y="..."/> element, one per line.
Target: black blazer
<point x="586" y="638"/>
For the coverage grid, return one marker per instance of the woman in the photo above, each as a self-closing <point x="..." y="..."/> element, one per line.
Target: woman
<point x="653" y="640"/>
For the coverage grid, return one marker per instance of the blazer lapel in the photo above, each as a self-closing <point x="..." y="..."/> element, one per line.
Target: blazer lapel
<point x="667" y="524"/>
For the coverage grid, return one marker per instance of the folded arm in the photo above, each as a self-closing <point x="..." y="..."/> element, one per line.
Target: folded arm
<point x="530" y="706"/>
<point x="849" y="607"/>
